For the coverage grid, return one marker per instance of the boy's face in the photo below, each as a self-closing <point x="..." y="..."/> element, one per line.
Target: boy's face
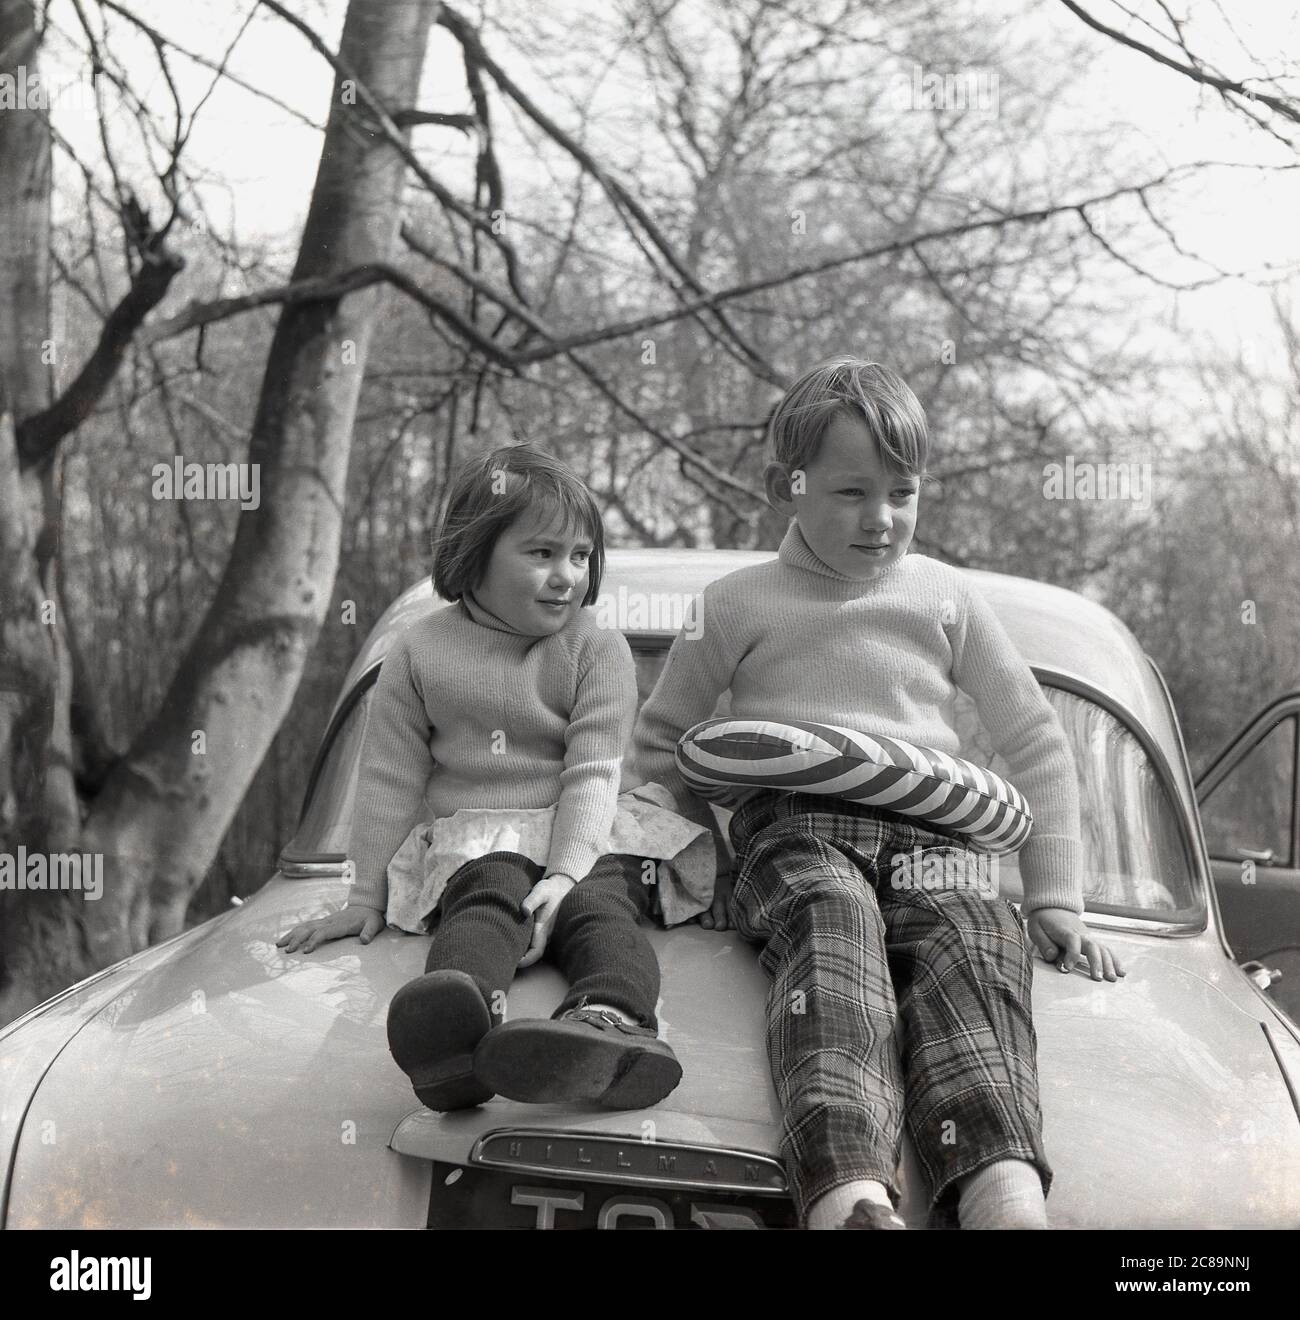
<point x="856" y="514"/>
<point x="536" y="578"/>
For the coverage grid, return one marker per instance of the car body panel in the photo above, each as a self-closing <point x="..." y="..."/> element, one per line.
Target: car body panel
<point x="1173" y="1059"/>
<point x="195" y="1093"/>
<point x="1261" y="920"/>
<point x="32" y="1043"/>
<point x="229" y="1083"/>
<point x="190" y="1099"/>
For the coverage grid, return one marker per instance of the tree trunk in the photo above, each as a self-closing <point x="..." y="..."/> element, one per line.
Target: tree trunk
<point x="24" y="222"/>
<point x="38" y="802"/>
<point x="162" y="811"/>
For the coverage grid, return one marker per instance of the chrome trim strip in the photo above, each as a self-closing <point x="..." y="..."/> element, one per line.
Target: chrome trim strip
<point x="1228" y="758"/>
<point x="1286" y="1076"/>
<point x="60" y="995"/>
<point x="1202" y="848"/>
<point x="1141" y="925"/>
<point x="773" y="1166"/>
<point x="1223" y="762"/>
<point x="650" y="641"/>
<point x="312" y="870"/>
<point x="365" y="680"/>
<point x="1283" y="1020"/>
<point x="1191" y="837"/>
<point x="38" y="1009"/>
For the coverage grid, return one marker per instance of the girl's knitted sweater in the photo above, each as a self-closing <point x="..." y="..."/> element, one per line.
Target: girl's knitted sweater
<point x="795" y="639"/>
<point x="469" y="713"/>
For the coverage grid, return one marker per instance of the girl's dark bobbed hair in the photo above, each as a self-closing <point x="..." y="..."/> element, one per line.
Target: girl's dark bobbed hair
<point x="489" y="493"/>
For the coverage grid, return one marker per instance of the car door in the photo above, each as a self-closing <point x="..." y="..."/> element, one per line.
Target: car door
<point x="1248" y="803"/>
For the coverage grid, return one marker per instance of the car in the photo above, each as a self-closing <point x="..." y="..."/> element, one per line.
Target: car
<point x="215" y="1080"/>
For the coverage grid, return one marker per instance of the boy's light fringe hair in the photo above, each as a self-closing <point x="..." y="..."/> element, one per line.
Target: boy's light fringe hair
<point x="866" y="390"/>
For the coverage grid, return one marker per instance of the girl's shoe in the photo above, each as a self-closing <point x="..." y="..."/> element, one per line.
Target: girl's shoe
<point x="585" y="1054"/>
<point x="434" y="1023"/>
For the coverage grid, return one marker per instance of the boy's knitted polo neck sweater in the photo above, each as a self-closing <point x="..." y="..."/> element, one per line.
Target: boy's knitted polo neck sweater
<point x="469" y="713"/>
<point x="794" y="639"/>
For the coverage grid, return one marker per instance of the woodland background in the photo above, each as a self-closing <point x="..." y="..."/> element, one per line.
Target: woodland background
<point x="616" y="230"/>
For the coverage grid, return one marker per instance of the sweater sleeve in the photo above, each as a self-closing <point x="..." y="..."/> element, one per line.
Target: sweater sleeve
<point x="1028" y="734"/>
<point x="594" y="744"/>
<point x="697" y="672"/>
<point x="395" y="768"/>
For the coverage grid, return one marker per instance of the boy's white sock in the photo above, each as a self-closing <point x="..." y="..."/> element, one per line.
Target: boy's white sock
<point x="1005" y="1194"/>
<point x="832" y="1208"/>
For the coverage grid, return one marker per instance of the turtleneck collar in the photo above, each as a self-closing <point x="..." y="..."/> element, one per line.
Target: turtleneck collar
<point x="796" y="552"/>
<point x="481" y="614"/>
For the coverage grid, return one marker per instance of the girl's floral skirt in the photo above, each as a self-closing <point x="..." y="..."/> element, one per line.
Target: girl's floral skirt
<point x="645" y="825"/>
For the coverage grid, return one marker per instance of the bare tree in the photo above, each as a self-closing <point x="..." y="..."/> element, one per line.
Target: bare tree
<point x="507" y="315"/>
<point x="161" y="811"/>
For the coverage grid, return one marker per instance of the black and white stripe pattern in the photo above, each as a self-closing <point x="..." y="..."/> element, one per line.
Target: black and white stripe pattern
<point x="719" y="757"/>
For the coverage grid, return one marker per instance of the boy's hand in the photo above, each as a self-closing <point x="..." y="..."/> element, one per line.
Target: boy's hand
<point x="542" y="903"/>
<point x="1060" y="936"/>
<point x="366" y="922"/>
<point x="719" y="916"/>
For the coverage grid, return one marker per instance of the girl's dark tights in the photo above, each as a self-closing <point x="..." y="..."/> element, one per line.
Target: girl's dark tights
<point x="597" y="940"/>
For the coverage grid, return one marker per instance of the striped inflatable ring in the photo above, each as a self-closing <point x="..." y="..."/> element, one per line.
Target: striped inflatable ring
<point x="719" y="757"/>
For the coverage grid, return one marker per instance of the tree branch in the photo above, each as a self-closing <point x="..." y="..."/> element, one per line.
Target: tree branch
<point x="207" y="62"/>
<point x="393" y="135"/>
<point x="621" y="198"/>
<point x="1226" y="85"/>
<point x="409" y="118"/>
<point x="323" y="290"/>
<point x="39" y="435"/>
<point x="762" y="285"/>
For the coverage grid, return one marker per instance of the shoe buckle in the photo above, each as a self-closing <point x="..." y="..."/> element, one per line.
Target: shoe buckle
<point x="584" y="1010"/>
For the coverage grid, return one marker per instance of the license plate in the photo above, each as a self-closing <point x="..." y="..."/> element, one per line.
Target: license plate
<point x="495" y="1198"/>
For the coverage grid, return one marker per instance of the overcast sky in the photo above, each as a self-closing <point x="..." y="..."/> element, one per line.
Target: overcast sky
<point x="1239" y="219"/>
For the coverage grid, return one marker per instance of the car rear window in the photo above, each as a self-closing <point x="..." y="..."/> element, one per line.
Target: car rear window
<point x="1135" y="850"/>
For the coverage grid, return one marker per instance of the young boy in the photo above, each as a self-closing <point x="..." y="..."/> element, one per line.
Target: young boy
<point x="846" y="628"/>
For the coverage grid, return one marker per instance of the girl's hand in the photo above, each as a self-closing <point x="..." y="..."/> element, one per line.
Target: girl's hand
<point x="364" y="921"/>
<point x="719" y="916"/>
<point x="542" y="903"/>
<point x="1060" y="936"/>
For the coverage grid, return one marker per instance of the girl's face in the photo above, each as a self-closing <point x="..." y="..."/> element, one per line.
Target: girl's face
<point x="536" y="578"/>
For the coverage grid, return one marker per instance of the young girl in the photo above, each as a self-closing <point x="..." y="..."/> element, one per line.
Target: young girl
<point x="524" y="705"/>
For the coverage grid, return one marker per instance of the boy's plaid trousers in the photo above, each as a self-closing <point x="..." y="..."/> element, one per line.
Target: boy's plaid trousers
<point x="816" y="885"/>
